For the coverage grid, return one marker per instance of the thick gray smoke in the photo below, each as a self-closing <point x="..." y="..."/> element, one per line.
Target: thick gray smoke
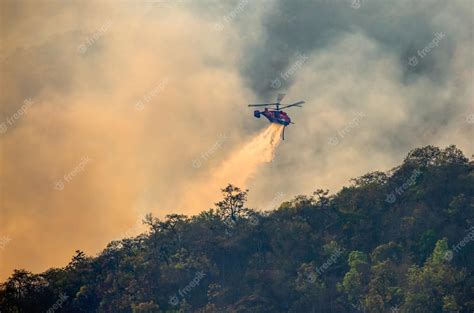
<point x="295" y="28"/>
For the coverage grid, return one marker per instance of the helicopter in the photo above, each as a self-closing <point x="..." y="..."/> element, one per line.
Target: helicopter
<point x="275" y="113"/>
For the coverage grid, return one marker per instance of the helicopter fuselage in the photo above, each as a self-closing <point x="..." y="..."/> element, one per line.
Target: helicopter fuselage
<point x="274" y="116"/>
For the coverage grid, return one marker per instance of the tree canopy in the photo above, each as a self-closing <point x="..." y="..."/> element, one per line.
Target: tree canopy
<point x="399" y="241"/>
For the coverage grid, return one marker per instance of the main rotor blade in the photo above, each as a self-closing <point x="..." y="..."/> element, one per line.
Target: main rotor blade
<point x="296" y="104"/>
<point x="262" y="104"/>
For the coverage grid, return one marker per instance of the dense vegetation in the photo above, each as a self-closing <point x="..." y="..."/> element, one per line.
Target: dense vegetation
<point x="391" y="242"/>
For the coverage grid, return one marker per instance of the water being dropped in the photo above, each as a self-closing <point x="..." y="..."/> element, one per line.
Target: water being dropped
<point x="237" y="169"/>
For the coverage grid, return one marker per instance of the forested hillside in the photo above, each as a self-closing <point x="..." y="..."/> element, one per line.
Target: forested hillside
<point x="399" y="241"/>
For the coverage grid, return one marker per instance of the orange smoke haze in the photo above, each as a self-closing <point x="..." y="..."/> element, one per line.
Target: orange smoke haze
<point x="119" y="88"/>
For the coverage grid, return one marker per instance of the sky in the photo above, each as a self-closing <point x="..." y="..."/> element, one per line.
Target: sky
<point x="113" y="109"/>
